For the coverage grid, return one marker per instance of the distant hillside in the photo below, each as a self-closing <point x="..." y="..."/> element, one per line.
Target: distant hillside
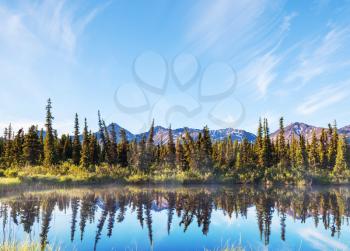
<point x="297" y="129"/>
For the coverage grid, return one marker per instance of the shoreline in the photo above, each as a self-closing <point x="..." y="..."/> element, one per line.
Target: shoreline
<point x="68" y="180"/>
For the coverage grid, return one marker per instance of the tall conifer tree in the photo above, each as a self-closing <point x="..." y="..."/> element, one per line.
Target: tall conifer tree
<point x="76" y="142"/>
<point x="342" y="159"/>
<point x="313" y="152"/>
<point x="31" y="147"/>
<point x="49" y="143"/>
<point x="85" y="160"/>
<point x="171" y="150"/>
<point x="123" y="149"/>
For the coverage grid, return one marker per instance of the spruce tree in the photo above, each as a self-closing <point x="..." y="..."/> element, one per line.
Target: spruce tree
<point x="49" y="143"/>
<point x="123" y="149"/>
<point x="103" y="138"/>
<point x="133" y="154"/>
<point x="293" y="151"/>
<point x="221" y="160"/>
<point x="189" y="149"/>
<point x="282" y="150"/>
<point x="181" y="160"/>
<point x="149" y="151"/>
<point x="230" y="153"/>
<point x="76" y="142"/>
<point x="171" y="150"/>
<point x="113" y="145"/>
<point x="56" y="144"/>
<point x="18" y="147"/>
<point x="342" y="159"/>
<point x="302" y="157"/>
<point x="323" y="151"/>
<point x="313" y="152"/>
<point x="107" y="145"/>
<point x="259" y="145"/>
<point x="267" y="149"/>
<point x="206" y="148"/>
<point x="41" y="146"/>
<point x="332" y="150"/>
<point x="85" y="160"/>
<point x="8" y="147"/>
<point x="141" y="163"/>
<point x="67" y="151"/>
<point x="95" y="150"/>
<point x="31" y="146"/>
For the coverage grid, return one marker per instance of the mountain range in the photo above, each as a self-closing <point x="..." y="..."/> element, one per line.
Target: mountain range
<point x="297" y="128"/>
<point x="306" y="130"/>
<point x="161" y="134"/>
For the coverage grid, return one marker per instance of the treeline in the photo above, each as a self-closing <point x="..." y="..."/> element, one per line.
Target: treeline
<point x="264" y="159"/>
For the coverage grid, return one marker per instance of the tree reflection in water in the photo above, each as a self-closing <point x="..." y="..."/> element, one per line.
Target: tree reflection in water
<point x="330" y="207"/>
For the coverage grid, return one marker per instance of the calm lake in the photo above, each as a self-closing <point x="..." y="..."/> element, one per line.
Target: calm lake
<point x="179" y="218"/>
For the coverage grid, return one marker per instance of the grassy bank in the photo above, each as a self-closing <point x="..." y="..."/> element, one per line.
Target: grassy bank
<point x="71" y="174"/>
<point x="67" y="173"/>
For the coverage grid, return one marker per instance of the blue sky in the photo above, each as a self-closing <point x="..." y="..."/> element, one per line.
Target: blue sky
<point x="189" y="63"/>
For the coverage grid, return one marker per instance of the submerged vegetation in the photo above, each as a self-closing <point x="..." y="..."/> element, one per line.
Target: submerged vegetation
<point x="92" y="157"/>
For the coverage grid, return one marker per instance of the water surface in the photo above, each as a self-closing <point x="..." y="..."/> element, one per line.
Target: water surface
<point x="178" y="218"/>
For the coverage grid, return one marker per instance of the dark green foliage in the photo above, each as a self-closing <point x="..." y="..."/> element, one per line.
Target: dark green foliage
<point x="181" y="160"/>
<point x="17" y="149"/>
<point x="123" y="149"/>
<point x="67" y="150"/>
<point x="302" y="156"/>
<point x="342" y="160"/>
<point x="314" y="158"/>
<point x="141" y="163"/>
<point x="170" y="150"/>
<point x="85" y="159"/>
<point x="49" y="143"/>
<point x="333" y="144"/>
<point x="76" y="142"/>
<point x="205" y="149"/>
<point x="31" y="146"/>
<point x="113" y="151"/>
<point x="95" y="150"/>
<point x="267" y="150"/>
<point x="282" y="155"/>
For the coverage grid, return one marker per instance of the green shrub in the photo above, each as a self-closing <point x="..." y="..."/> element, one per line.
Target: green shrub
<point x="11" y="173"/>
<point x="2" y="173"/>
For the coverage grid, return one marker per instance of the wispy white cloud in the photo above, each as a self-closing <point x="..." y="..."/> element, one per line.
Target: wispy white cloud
<point x="58" y="23"/>
<point x="230" y="25"/>
<point x="231" y="29"/>
<point x="287" y="21"/>
<point x="327" y="96"/>
<point x="261" y="72"/>
<point x="321" y="55"/>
